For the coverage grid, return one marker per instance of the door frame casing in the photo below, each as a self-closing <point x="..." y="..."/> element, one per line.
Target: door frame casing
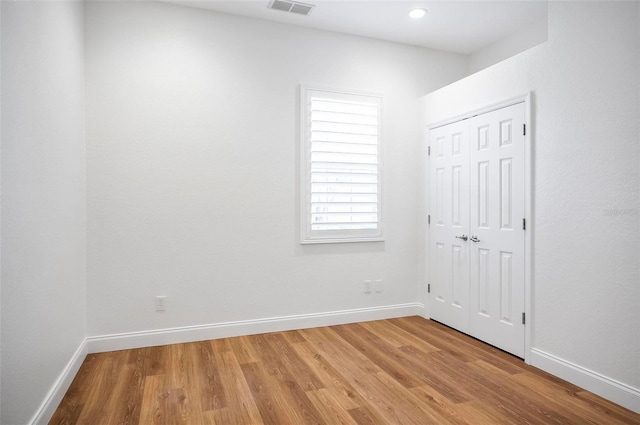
<point x="528" y="207"/>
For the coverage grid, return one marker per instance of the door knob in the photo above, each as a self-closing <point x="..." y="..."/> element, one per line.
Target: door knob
<point x="463" y="237"/>
<point x="474" y="239"/>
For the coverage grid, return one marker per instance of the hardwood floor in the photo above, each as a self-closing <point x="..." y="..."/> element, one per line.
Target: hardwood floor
<point x="399" y="371"/>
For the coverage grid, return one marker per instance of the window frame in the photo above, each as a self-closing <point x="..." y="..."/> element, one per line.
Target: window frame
<point x="307" y="235"/>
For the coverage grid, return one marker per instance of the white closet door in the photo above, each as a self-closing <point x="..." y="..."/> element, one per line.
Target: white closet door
<point x="476" y="244"/>
<point x="496" y="243"/>
<point x="449" y="200"/>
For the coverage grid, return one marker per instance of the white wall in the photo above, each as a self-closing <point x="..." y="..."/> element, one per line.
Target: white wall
<point x="0" y="213"/>
<point x="524" y="39"/>
<point x="586" y="151"/>
<point x="192" y="167"/>
<point x="43" y="200"/>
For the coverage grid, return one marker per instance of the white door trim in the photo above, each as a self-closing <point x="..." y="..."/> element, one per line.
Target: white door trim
<point x="528" y="197"/>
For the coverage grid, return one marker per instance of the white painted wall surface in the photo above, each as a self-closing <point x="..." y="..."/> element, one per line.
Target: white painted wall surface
<point x="43" y="200"/>
<point x="522" y="40"/>
<point x="0" y="212"/>
<point x="192" y="167"/>
<point x="586" y="152"/>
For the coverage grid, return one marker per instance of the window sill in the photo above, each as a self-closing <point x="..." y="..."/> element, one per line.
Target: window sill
<point x="338" y="240"/>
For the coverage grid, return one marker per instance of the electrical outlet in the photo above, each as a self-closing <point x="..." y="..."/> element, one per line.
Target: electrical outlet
<point x="366" y="287"/>
<point x="161" y="303"/>
<point x="377" y="285"/>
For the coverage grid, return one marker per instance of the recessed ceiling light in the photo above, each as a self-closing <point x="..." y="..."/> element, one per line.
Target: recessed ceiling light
<point x="417" y="13"/>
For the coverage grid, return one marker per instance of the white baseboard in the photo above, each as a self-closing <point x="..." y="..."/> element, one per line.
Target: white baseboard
<point x="608" y="388"/>
<point x="60" y="387"/>
<point x="124" y="341"/>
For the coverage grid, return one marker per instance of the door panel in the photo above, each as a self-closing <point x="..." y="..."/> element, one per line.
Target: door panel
<point x="449" y="188"/>
<point x="497" y="209"/>
<point x="477" y="190"/>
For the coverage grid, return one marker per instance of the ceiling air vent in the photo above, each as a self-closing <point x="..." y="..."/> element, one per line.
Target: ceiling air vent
<point x="291" y="6"/>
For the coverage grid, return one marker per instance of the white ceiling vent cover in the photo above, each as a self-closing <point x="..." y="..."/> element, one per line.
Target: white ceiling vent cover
<point x="291" y="6"/>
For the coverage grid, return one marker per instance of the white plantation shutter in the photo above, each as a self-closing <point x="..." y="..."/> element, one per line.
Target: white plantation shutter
<point x="340" y="166"/>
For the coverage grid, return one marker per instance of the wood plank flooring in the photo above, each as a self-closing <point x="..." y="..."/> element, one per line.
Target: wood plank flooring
<point x="399" y="371"/>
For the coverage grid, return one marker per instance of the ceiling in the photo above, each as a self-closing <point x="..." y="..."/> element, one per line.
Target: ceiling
<point x="456" y="26"/>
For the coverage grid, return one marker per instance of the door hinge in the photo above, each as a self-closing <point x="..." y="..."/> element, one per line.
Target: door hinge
<point x="524" y="129"/>
<point x="524" y="224"/>
<point x="429" y="219"/>
<point x="428" y="150"/>
<point x="523" y="318"/>
<point x="428" y="288"/>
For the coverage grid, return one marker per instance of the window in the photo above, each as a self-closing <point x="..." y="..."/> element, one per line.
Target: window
<point x="340" y="166"/>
